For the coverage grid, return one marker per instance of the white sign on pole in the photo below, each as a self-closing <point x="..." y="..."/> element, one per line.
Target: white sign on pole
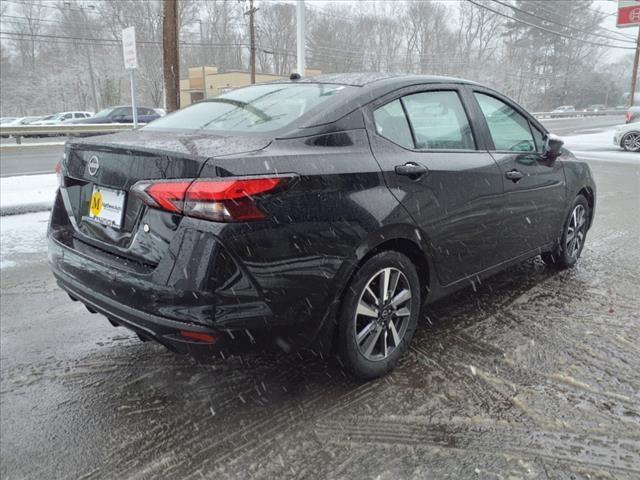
<point x="129" y="48"/>
<point x="131" y="63"/>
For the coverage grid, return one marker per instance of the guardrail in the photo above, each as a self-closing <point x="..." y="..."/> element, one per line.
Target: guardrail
<point x="68" y="130"/>
<point x="577" y="113"/>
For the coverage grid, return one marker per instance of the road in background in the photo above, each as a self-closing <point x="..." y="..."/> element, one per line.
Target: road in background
<point x="576" y="126"/>
<point x="29" y="161"/>
<point x="43" y="159"/>
<point x="530" y="374"/>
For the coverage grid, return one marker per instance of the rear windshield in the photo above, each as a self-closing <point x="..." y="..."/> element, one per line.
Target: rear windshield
<point x="259" y="108"/>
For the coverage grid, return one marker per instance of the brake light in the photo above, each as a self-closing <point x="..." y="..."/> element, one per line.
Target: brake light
<point x="221" y="200"/>
<point x="168" y="196"/>
<point x="628" y="118"/>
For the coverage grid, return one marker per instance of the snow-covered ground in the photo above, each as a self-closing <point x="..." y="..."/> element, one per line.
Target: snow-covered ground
<point x="22" y="236"/>
<point x="599" y="146"/>
<point x="27" y="193"/>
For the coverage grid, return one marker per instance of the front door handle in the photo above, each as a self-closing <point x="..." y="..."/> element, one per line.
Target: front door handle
<point x="514" y="175"/>
<point x="412" y="170"/>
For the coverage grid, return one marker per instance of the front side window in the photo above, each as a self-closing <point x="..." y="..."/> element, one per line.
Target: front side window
<point x="509" y="129"/>
<point x="391" y="123"/>
<point x="259" y="108"/>
<point x="439" y="121"/>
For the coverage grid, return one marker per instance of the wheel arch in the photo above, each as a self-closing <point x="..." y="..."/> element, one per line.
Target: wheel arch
<point x="404" y="239"/>
<point x="411" y="250"/>
<point x="589" y="194"/>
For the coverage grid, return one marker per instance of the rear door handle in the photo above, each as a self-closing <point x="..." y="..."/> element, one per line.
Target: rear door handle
<point x="514" y="175"/>
<point x="412" y="170"/>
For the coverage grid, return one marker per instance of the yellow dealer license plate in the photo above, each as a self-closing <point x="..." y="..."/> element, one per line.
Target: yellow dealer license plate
<point x="107" y="206"/>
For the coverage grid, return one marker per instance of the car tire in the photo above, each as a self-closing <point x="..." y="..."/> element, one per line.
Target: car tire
<point x="370" y="342"/>
<point x="567" y="253"/>
<point x="631" y="142"/>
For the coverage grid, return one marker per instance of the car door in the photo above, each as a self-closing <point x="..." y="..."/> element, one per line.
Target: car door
<point x="122" y="115"/>
<point x="436" y="165"/>
<point x="535" y="189"/>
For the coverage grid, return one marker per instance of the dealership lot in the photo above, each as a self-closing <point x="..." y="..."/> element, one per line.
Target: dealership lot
<point x="532" y="372"/>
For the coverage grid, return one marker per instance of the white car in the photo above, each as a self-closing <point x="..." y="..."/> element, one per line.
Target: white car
<point x="62" y="116"/>
<point x="7" y="120"/>
<point x="21" y="121"/>
<point x="628" y="137"/>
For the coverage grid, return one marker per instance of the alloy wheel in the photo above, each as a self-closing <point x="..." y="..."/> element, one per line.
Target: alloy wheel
<point x="576" y="231"/>
<point x="382" y="315"/>
<point x="631" y="142"/>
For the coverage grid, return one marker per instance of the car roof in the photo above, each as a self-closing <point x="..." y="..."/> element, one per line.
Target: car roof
<point x="363" y="79"/>
<point x="363" y="87"/>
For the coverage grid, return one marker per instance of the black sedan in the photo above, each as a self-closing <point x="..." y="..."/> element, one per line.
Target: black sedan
<point x="122" y="114"/>
<point x="322" y="213"/>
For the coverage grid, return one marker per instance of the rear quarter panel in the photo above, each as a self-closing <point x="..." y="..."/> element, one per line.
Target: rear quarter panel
<point x="337" y="207"/>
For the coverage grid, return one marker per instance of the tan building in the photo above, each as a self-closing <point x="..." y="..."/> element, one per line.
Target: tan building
<point x="191" y="88"/>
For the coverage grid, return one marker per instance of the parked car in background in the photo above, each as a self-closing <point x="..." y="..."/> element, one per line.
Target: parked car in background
<point x="22" y="121"/>
<point x="633" y="115"/>
<point x="563" y="110"/>
<point x="627" y="137"/>
<point x="310" y="213"/>
<point x="61" y="117"/>
<point x="122" y="114"/>
<point x="597" y="109"/>
<point x="6" y="120"/>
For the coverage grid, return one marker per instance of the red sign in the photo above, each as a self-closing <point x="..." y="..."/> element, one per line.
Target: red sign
<point x="628" y="13"/>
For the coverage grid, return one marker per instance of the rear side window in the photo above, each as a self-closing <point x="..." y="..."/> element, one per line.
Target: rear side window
<point x="392" y="124"/>
<point x="509" y="129"/>
<point x="439" y="121"/>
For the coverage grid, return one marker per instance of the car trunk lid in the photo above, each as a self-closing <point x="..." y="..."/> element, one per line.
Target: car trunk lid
<point x="112" y="164"/>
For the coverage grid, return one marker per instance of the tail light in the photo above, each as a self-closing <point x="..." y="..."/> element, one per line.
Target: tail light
<point x="628" y="116"/>
<point x="229" y="199"/>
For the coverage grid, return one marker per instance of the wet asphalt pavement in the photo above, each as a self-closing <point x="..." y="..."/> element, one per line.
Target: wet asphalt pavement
<point x="531" y="374"/>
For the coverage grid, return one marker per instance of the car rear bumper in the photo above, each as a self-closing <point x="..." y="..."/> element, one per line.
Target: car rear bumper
<point x="200" y="285"/>
<point x="150" y="327"/>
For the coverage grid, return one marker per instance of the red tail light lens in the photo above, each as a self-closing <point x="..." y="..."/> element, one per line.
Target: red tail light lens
<point x="221" y="200"/>
<point x="628" y="116"/>
<point x="168" y="196"/>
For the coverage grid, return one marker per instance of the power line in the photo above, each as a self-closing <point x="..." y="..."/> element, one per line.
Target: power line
<point x="118" y="42"/>
<point x="553" y="32"/>
<point x="539" y="4"/>
<point x="516" y="9"/>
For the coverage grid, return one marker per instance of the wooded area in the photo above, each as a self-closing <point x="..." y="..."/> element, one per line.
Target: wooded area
<point x="62" y="55"/>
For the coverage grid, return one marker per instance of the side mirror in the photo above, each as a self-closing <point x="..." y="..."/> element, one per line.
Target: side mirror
<point x="552" y="147"/>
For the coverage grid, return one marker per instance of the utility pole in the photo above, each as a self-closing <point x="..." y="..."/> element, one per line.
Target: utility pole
<point x="171" y="61"/>
<point x="203" y="59"/>
<point x="634" y="75"/>
<point x="252" y="39"/>
<point x="300" y="40"/>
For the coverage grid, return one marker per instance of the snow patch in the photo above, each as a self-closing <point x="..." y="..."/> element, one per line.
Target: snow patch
<point x="22" y="234"/>
<point x="27" y="193"/>
<point x="598" y="146"/>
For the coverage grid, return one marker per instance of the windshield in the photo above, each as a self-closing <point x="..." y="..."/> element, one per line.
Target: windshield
<point x="104" y="113"/>
<point x="260" y="108"/>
